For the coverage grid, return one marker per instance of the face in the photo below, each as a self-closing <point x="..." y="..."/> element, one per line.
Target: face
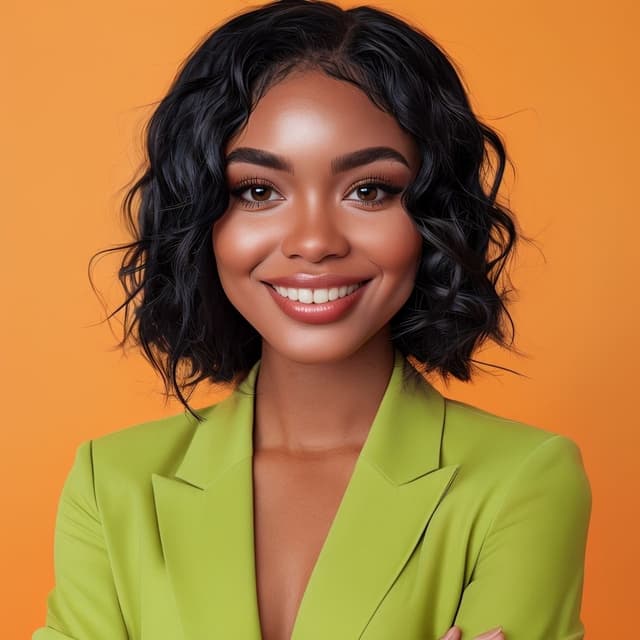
<point x="316" y="177"/>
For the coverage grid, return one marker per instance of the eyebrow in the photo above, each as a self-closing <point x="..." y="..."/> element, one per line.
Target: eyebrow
<point x="341" y="163"/>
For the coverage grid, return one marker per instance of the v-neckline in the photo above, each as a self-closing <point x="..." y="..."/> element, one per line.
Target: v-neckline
<point x="310" y="581"/>
<point x="396" y="370"/>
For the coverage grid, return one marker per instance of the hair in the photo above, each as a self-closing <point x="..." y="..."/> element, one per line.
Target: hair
<point x="175" y="308"/>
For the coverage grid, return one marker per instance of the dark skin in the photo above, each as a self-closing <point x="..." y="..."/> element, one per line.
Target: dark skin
<point x="319" y="385"/>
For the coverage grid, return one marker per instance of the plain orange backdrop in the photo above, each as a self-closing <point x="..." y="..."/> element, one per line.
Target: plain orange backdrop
<point x="558" y="79"/>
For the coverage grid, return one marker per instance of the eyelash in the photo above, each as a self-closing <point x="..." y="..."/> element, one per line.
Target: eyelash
<point x="387" y="185"/>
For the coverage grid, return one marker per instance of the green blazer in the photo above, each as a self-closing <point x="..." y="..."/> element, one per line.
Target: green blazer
<point x="452" y="515"/>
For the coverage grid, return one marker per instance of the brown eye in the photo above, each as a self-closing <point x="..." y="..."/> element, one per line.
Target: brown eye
<point x="374" y="192"/>
<point x="258" y="193"/>
<point x="369" y="192"/>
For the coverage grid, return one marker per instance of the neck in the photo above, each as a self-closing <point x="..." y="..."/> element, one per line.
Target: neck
<point x="320" y="407"/>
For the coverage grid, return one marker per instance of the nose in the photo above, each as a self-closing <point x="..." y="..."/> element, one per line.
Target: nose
<point x="315" y="233"/>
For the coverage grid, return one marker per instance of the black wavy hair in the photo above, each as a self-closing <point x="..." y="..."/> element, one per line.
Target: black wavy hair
<point x="175" y="308"/>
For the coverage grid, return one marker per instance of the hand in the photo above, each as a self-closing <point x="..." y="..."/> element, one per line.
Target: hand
<point x="493" y="634"/>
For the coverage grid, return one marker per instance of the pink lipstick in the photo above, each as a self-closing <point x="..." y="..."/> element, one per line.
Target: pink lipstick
<point x="318" y="312"/>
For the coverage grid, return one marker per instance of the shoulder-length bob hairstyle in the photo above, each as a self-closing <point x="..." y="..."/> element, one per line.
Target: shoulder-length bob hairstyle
<point x="175" y="308"/>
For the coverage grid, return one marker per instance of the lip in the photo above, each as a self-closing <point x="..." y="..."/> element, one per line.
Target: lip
<point x="319" y="281"/>
<point x="317" y="313"/>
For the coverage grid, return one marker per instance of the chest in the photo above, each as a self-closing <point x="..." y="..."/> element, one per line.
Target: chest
<point x="295" y="502"/>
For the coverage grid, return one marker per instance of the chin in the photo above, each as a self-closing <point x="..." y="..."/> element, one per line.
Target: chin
<point x="319" y="350"/>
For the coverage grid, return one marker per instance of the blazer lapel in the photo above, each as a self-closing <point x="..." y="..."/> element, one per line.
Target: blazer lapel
<point x="205" y="521"/>
<point x="396" y="486"/>
<point x="205" y="517"/>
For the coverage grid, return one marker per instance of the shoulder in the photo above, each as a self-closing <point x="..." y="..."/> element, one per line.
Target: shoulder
<point x="472" y="432"/>
<point x="131" y="454"/>
<point x="511" y="475"/>
<point x="494" y="452"/>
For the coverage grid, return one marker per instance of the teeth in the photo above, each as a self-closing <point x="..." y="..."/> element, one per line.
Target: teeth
<point x="316" y="296"/>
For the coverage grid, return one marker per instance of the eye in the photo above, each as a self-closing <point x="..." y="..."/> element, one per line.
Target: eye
<point x="370" y="190"/>
<point x="258" y="189"/>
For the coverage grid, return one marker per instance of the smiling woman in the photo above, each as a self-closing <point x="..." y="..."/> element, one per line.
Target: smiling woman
<point x="320" y="207"/>
<point x="318" y="224"/>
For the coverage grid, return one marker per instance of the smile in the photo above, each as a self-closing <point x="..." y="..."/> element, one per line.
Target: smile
<point x="317" y="306"/>
<point x="317" y="296"/>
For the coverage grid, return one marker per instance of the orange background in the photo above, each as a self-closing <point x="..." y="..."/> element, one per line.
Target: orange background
<point x="557" y="79"/>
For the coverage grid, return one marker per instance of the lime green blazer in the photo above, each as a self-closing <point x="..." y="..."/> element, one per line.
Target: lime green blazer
<point x="452" y="515"/>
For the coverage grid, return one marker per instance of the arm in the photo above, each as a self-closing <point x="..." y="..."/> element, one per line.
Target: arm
<point x="529" y="573"/>
<point x="83" y="605"/>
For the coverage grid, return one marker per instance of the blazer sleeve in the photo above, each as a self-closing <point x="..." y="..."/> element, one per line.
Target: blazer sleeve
<point x="529" y="573"/>
<point x="83" y="605"/>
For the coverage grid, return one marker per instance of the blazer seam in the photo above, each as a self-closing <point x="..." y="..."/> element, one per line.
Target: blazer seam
<point x="503" y="497"/>
<point x="106" y="546"/>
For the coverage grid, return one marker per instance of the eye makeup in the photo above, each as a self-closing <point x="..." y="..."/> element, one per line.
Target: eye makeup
<point x="380" y="182"/>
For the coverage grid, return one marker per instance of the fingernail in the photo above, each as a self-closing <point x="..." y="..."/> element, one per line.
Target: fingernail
<point x="452" y="634"/>
<point x="492" y="633"/>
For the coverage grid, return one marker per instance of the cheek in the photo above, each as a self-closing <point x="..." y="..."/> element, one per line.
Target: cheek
<point x="395" y="245"/>
<point x="238" y="246"/>
<point x="405" y="249"/>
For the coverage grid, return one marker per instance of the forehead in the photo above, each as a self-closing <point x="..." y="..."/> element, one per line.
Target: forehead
<point x="311" y="113"/>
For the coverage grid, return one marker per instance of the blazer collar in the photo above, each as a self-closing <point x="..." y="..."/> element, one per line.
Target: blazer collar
<point x="403" y="441"/>
<point x="205" y="516"/>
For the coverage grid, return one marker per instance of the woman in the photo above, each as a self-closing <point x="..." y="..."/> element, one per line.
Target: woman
<point x="314" y="224"/>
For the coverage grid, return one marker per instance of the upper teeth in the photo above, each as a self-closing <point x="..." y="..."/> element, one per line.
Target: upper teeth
<point x="316" y="295"/>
